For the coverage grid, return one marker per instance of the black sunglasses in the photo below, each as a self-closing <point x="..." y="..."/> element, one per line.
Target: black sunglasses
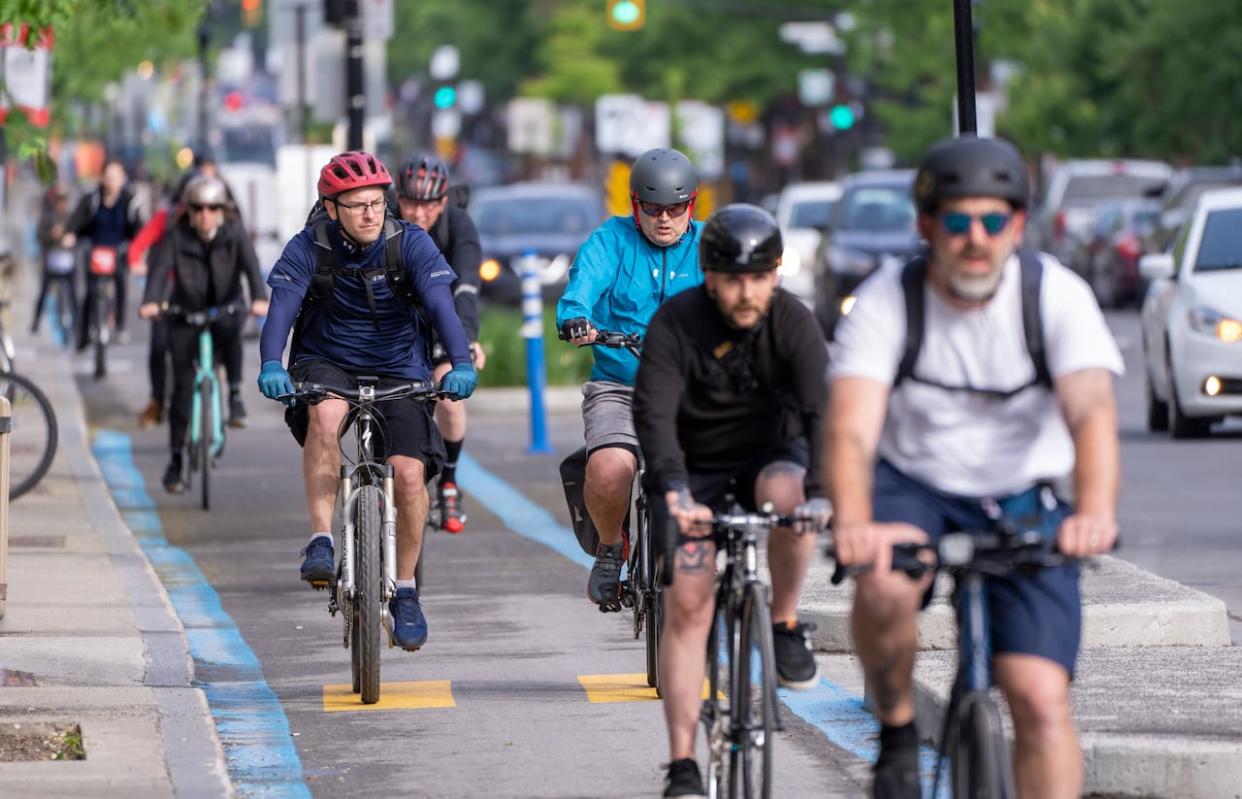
<point x="197" y="208"/>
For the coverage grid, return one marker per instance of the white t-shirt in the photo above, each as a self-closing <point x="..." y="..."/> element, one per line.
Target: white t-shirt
<point x="962" y="442"/>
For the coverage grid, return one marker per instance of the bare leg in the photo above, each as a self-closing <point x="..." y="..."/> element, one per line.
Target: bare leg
<point x="1047" y="759"/>
<point x="609" y="476"/>
<point x="688" y="606"/>
<point x="789" y="554"/>
<point x="411" y="489"/>
<point x="321" y="461"/>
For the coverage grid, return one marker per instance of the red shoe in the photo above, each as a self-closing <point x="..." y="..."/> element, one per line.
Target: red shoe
<point x="453" y="517"/>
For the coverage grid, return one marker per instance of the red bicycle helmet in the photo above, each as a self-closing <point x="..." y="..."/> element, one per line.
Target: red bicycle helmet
<point x="352" y="170"/>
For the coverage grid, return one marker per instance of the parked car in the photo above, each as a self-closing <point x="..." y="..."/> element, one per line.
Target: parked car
<point x="546" y="220"/>
<point x="1192" y="320"/>
<point x="1179" y="199"/>
<point x="1063" y="217"/>
<point x="1108" y="258"/>
<point x="873" y="223"/>
<point x="802" y="212"/>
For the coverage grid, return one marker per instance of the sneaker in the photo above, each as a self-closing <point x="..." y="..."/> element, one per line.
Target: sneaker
<point x="318" y="562"/>
<point x="795" y="661"/>
<point x="604" y="584"/>
<point x="122" y="337"/>
<point x="452" y="515"/>
<point x="151" y="415"/>
<point x="237" y="411"/>
<point x="174" y="475"/>
<point x="897" y="775"/>
<point x="684" y="780"/>
<point x="409" y="625"/>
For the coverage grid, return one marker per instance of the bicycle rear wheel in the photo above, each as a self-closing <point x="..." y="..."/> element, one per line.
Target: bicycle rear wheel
<point x="367" y="592"/>
<point x="715" y="713"/>
<point x="754" y="702"/>
<point x="34" y="433"/>
<point x="206" y="416"/>
<point x="979" y="754"/>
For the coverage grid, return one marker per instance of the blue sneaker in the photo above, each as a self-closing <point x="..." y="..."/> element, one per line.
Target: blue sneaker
<point x="318" y="563"/>
<point x="409" y="625"/>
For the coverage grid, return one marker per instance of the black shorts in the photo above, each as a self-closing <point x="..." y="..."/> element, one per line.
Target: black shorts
<point x="406" y="426"/>
<point x="714" y="488"/>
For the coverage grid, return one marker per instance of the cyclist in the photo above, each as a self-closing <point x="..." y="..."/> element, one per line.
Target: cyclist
<point x="53" y="214"/>
<point x="623" y="272"/>
<point x="201" y="263"/>
<point x="423" y="198"/>
<point x="729" y="397"/>
<point x="362" y="325"/>
<point x="983" y="413"/>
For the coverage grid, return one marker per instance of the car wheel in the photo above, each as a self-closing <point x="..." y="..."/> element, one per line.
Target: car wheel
<point x="1157" y="410"/>
<point x="1181" y="425"/>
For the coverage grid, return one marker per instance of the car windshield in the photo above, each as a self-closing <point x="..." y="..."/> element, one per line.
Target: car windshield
<point x="878" y="209"/>
<point x="1087" y="189"/>
<point x="531" y="214"/>
<point x="812" y="214"/>
<point x="1221" y="247"/>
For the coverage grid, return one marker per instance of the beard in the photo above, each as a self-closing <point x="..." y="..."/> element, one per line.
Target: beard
<point x="973" y="287"/>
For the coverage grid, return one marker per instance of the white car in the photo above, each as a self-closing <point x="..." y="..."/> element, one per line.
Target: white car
<point x="1192" y="320"/>
<point x="802" y="212"/>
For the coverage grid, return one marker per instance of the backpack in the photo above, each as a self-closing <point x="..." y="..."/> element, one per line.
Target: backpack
<point x="913" y="276"/>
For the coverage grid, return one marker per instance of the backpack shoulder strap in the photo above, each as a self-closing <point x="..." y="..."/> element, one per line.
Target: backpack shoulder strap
<point x="1032" y="320"/>
<point x="913" y="276"/>
<point x="325" y="265"/>
<point x="394" y="267"/>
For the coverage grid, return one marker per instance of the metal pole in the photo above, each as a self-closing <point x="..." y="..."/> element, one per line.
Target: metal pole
<point x="6" y="422"/>
<point x="300" y="27"/>
<point x="532" y="331"/>
<point x="355" y="89"/>
<point x="963" y="34"/>
<point x="204" y="39"/>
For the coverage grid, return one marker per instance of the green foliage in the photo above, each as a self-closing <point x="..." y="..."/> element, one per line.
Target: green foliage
<point x="500" y="336"/>
<point x="572" y="66"/>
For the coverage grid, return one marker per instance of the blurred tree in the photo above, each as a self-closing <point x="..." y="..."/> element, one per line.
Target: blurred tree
<point x="570" y="66"/>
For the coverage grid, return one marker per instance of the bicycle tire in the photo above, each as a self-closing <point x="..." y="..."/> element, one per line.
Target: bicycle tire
<point x="17" y="388"/>
<point x="101" y="335"/>
<point x="980" y="755"/>
<point x="649" y="598"/>
<point x="66" y="313"/>
<point x="355" y="662"/>
<point x="754" y="700"/>
<point x="715" y="713"/>
<point x="367" y="592"/>
<point x="205" y="420"/>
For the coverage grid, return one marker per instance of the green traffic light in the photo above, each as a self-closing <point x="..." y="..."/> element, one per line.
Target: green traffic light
<point x="841" y="117"/>
<point x="446" y="97"/>
<point x="625" y="13"/>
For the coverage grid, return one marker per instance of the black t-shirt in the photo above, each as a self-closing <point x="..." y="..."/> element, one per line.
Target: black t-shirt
<point x="712" y="399"/>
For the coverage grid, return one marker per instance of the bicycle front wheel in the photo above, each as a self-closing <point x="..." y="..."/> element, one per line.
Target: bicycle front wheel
<point x="754" y="703"/>
<point x="715" y="713"/>
<point x="33" y="435"/>
<point x="367" y="590"/>
<point x="979" y="754"/>
<point x="205" y="420"/>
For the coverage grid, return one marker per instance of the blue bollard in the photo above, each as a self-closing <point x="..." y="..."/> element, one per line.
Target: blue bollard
<point x="532" y="331"/>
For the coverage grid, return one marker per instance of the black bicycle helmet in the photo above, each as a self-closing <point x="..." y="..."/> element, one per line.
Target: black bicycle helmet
<point x="971" y="167"/>
<point x="423" y="178"/>
<point x="740" y="238"/>
<point x="664" y="177"/>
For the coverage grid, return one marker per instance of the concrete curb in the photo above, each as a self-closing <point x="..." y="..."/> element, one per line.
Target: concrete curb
<point x="506" y="401"/>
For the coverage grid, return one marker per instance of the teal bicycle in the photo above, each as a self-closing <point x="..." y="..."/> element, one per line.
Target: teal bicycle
<point x="206" y="431"/>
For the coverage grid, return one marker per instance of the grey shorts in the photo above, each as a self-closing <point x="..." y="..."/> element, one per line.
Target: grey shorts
<point x="607" y="415"/>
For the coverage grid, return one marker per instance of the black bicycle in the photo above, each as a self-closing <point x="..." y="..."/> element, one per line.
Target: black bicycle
<point x="366" y="574"/>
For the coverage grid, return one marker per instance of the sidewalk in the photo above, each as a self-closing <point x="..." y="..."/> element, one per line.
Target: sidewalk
<point x="88" y="637"/>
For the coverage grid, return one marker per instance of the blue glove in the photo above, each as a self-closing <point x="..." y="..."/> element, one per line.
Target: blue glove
<point x="275" y="381"/>
<point x="460" y="381"/>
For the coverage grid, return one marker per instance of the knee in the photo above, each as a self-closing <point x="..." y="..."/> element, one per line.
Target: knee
<point x="610" y="469"/>
<point x="689" y="610"/>
<point x="884" y="601"/>
<point x="324" y="422"/>
<point x="410" y="476"/>
<point x="781" y="484"/>
<point x="1040" y="706"/>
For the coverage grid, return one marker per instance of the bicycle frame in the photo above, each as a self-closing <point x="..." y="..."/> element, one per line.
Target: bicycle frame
<point x="205" y="371"/>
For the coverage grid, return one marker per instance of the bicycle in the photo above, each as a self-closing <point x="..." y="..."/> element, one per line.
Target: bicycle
<point x="61" y="266"/>
<point x="101" y="275"/>
<point x="206" y="431"/>
<point x="642" y="590"/>
<point x="740" y="715"/>
<point x="366" y="576"/>
<point x="33" y="432"/>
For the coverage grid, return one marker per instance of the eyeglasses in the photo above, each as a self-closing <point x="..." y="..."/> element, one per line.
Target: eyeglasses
<point x="957" y="223"/>
<point x="654" y="210"/>
<point x="376" y="206"/>
<point x="200" y="208"/>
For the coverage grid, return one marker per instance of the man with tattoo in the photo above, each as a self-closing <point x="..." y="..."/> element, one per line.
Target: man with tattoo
<point x="728" y="404"/>
<point x="963" y="384"/>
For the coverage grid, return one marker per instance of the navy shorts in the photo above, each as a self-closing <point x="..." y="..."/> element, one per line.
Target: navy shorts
<point x="1032" y="612"/>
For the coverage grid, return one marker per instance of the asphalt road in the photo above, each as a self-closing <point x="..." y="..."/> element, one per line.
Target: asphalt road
<point x="511" y="631"/>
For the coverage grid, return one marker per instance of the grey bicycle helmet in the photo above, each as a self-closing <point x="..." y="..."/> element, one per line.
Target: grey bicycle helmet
<point x="203" y="190"/>
<point x="741" y="238"/>
<point x="663" y="176"/>
<point x="423" y="178"/>
<point x="971" y="167"/>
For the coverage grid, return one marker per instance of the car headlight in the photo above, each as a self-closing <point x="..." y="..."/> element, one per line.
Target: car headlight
<point x="847" y="304"/>
<point x="1215" y="323"/>
<point x="791" y="263"/>
<point x="849" y="262"/>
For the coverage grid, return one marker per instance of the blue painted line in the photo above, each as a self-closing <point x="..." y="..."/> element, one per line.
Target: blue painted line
<point x="830" y="708"/>
<point x="249" y="719"/>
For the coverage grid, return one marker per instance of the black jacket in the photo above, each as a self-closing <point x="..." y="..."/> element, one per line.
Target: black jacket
<point x="82" y="220"/>
<point x="458" y="239"/>
<point x="711" y="399"/>
<point x="178" y="268"/>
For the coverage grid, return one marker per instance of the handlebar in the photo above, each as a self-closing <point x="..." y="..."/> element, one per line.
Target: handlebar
<point x="612" y="340"/>
<point x="721" y="522"/>
<point x="204" y="316"/>
<point x="314" y="392"/>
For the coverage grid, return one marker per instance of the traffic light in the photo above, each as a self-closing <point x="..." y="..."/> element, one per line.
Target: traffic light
<point x="842" y="116"/>
<point x="446" y="96"/>
<point x="627" y="15"/>
<point x="252" y="13"/>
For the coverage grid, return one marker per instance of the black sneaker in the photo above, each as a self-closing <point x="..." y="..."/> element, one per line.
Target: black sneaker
<point x="318" y="563"/>
<point x="684" y="780"/>
<point x="174" y="475"/>
<point x="795" y="661"/>
<point x="604" y="583"/>
<point x="237" y="411"/>
<point x="897" y="775"/>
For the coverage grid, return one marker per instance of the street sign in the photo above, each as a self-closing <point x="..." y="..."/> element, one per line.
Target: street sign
<point x="531" y="123"/>
<point x="25" y="63"/>
<point x="816" y="87"/>
<point x="626" y="124"/>
<point x="377" y="19"/>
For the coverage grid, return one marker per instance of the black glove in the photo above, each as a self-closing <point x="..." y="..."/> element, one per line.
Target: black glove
<point x="575" y="328"/>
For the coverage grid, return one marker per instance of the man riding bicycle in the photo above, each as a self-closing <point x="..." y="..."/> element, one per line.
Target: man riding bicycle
<point x="201" y="263"/>
<point x="942" y="418"/>
<point x="620" y="276"/>
<point x="358" y="285"/>
<point x="423" y="197"/>
<point x="728" y="399"/>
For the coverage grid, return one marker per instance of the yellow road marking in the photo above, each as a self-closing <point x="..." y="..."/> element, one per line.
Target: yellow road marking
<point x="416" y="695"/>
<point x="621" y="688"/>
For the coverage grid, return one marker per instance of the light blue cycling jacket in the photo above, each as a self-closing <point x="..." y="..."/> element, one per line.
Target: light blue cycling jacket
<point x="619" y="279"/>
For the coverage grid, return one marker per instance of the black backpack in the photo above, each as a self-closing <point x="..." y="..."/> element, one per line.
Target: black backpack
<point x="913" y="277"/>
